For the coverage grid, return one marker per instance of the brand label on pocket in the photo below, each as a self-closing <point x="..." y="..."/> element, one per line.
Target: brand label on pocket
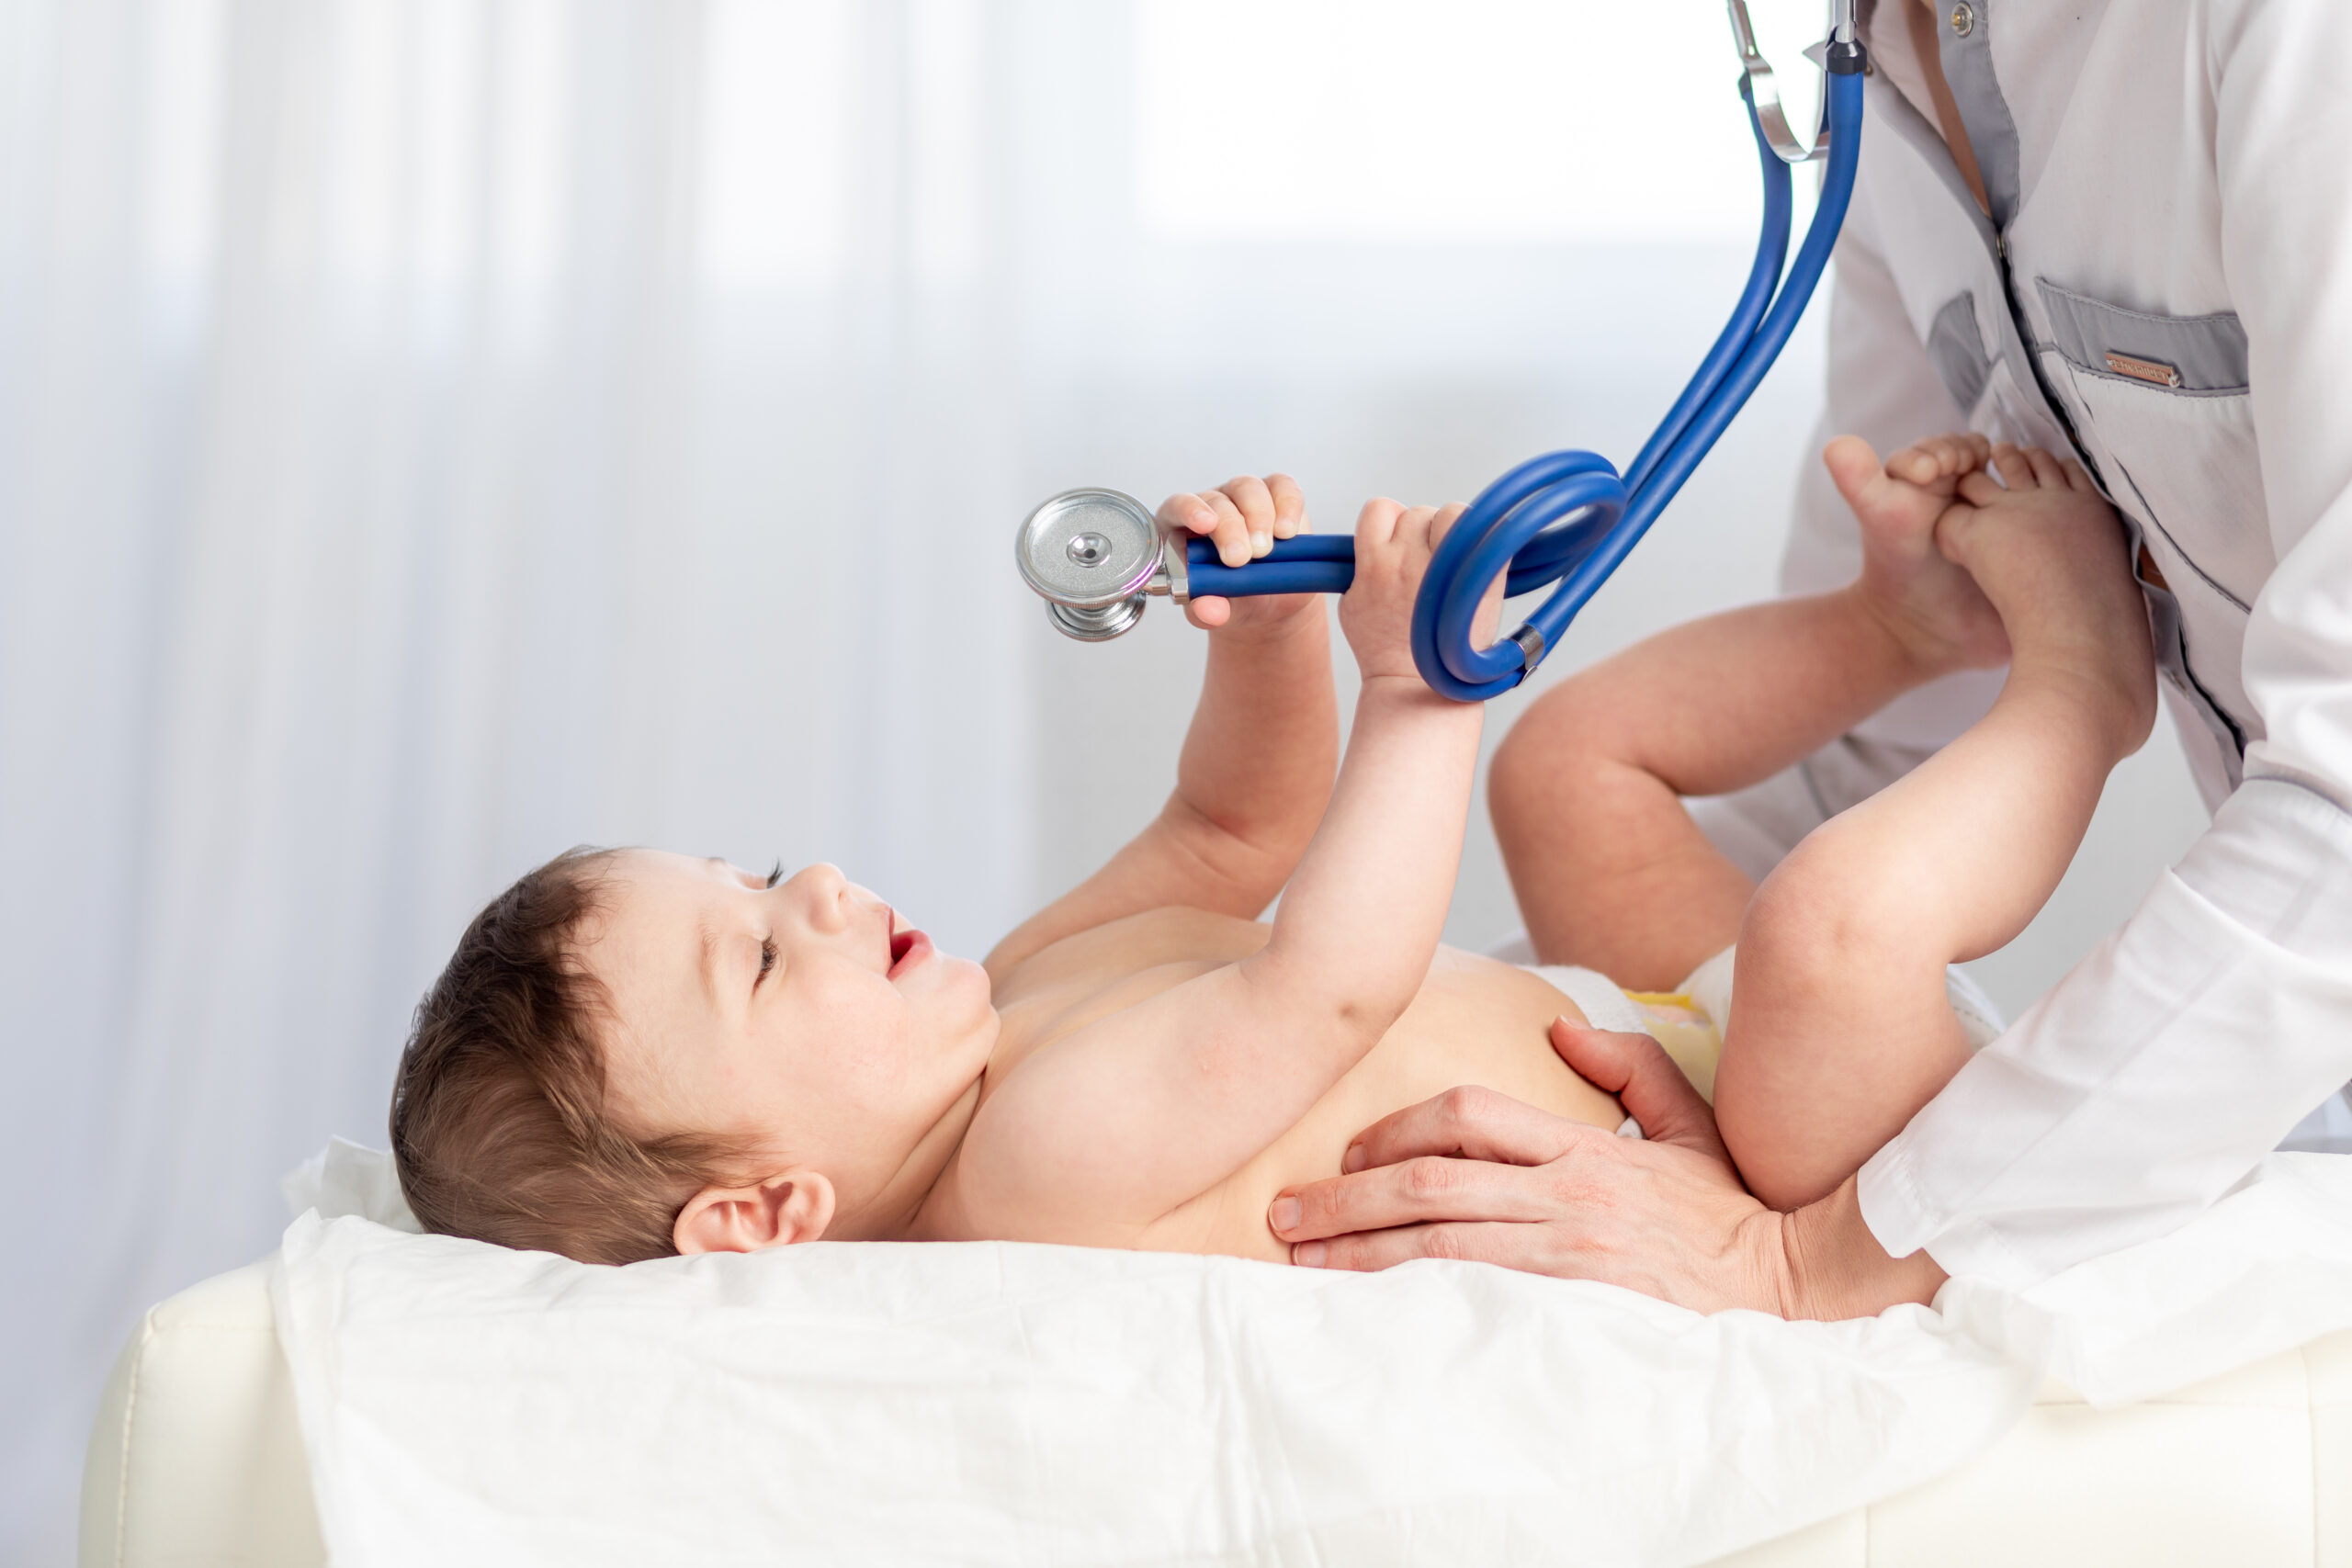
<point x="2154" y="371"/>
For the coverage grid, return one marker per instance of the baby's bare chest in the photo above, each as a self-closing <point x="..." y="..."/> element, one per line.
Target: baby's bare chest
<point x="1092" y="976"/>
<point x="1474" y="1021"/>
<point x="1467" y="1027"/>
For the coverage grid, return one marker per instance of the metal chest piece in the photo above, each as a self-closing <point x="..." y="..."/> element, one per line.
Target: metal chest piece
<point x="1094" y="555"/>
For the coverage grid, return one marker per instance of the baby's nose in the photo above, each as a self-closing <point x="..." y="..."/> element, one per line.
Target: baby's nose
<point x="824" y="892"/>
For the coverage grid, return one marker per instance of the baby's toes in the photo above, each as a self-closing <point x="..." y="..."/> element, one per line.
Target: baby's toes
<point x="2015" y="466"/>
<point x="2047" y="471"/>
<point x="1953" y="455"/>
<point x="1895" y="509"/>
<point x="1919" y="464"/>
<point x="1958" y="531"/>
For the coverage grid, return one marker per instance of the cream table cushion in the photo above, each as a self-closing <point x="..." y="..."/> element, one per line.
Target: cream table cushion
<point x="196" y="1460"/>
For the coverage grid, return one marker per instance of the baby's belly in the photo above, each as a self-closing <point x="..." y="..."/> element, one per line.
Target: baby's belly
<point x="1475" y="1022"/>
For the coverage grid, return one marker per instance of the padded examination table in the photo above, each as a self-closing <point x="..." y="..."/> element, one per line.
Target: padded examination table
<point x="196" y="1460"/>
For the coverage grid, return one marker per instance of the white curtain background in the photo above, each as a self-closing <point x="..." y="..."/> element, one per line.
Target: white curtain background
<point x="434" y="433"/>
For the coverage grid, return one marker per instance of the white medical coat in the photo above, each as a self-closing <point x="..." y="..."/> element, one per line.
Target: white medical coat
<point x="2164" y="285"/>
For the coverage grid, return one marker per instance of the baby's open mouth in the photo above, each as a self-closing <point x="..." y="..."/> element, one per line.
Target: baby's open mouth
<point x="907" y="950"/>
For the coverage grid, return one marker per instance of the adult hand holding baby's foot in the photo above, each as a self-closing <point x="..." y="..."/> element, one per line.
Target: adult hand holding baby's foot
<point x="1242" y="518"/>
<point x="1933" y="607"/>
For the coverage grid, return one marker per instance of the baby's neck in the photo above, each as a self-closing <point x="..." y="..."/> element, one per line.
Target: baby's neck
<point x="894" y="1213"/>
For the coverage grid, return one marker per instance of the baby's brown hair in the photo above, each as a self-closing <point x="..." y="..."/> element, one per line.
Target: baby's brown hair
<point x="501" y="1128"/>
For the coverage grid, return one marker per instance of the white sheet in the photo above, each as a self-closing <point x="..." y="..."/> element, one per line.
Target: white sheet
<point x="997" y="1403"/>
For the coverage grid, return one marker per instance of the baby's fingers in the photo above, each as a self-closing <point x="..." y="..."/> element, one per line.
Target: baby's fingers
<point x="1255" y="501"/>
<point x="1271" y="509"/>
<point x="1413" y="531"/>
<point x="1214" y="514"/>
<point x="1234" y="544"/>
<point x="1208" y="614"/>
<point x="1290" y="506"/>
<point x="1187" y="511"/>
<point x="1377" y="524"/>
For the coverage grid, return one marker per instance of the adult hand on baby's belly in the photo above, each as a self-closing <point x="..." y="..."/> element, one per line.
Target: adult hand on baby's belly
<point x="1476" y="1175"/>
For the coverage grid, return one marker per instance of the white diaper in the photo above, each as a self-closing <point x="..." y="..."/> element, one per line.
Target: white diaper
<point x="1602" y="1002"/>
<point x="1709" y="989"/>
<point x="1688" y="1022"/>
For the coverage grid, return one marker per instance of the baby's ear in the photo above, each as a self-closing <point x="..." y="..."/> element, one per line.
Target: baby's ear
<point x="794" y="1206"/>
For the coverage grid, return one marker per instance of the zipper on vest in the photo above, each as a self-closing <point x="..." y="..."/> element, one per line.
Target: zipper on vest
<point x="2032" y="353"/>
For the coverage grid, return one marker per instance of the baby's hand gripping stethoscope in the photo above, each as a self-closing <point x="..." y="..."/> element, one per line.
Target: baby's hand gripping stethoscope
<point x="1565" y="518"/>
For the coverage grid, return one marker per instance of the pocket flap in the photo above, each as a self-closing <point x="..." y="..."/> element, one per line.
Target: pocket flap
<point x="2192" y="354"/>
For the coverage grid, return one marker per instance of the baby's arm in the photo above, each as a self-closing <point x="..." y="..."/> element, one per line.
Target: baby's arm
<point x="1111" y="1126"/>
<point x="1257" y="764"/>
<point x="1586" y="790"/>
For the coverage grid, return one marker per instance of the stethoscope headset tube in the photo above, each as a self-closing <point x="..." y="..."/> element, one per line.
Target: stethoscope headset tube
<point x="1568" y="517"/>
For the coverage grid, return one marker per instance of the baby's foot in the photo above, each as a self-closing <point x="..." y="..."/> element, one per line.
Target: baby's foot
<point x="2048" y="554"/>
<point x="1929" y="602"/>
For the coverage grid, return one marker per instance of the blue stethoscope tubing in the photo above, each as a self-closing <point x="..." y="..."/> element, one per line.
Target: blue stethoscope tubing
<point x="1569" y="517"/>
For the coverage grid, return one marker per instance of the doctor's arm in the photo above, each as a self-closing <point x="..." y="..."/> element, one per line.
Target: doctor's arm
<point x="2156" y="1075"/>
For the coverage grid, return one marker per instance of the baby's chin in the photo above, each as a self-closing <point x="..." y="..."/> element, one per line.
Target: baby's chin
<point x="946" y="972"/>
<point x="970" y="982"/>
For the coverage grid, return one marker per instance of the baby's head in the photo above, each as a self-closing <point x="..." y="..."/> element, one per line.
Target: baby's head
<point x="633" y="1053"/>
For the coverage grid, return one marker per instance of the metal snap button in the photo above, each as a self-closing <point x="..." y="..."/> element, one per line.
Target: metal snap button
<point x="1964" y="20"/>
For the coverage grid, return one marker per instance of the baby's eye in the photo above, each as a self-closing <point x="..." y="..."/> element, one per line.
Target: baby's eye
<point x="774" y="876"/>
<point x="767" y="960"/>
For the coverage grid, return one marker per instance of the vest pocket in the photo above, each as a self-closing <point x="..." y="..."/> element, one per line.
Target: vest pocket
<point x="2161" y="405"/>
<point x="2162" y="402"/>
<point x="2188" y="354"/>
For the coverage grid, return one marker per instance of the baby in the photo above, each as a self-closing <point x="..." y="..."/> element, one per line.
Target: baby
<point x="633" y="1053"/>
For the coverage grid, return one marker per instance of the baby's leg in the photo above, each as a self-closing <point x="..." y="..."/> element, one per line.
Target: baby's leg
<point x="1839" y="1027"/>
<point x="1586" y="790"/>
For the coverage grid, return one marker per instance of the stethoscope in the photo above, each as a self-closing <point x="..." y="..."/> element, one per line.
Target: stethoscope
<point x="1097" y="556"/>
